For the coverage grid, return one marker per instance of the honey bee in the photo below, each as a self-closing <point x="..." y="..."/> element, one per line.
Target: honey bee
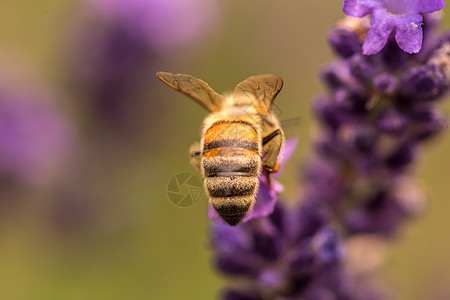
<point x="239" y="139"/>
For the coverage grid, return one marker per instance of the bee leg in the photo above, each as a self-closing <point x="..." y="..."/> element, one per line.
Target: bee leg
<point x="272" y="144"/>
<point x="267" y="175"/>
<point x="195" y="155"/>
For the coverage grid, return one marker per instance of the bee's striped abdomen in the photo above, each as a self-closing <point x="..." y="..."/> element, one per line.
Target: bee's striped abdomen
<point x="231" y="162"/>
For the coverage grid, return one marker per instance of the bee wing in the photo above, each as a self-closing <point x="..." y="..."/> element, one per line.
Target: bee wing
<point x="263" y="87"/>
<point x="193" y="87"/>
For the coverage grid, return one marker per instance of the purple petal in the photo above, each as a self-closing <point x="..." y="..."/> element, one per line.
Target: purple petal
<point x="289" y="148"/>
<point x="344" y="42"/>
<point x="303" y="261"/>
<point x="277" y="187"/>
<point x="361" y="68"/>
<point x="409" y="33"/>
<point x="358" y="8"/>
<point x="385" y="82"/>
<point x="213" y="215"/>
<point x="381" y="26"/>
<point x="229" y="238"/>
<point x="327" y="246"/>
<point x="231" y="264"/>
<point x="429" y="122"/>
<point x="335" y="74"/>
<point x="422" y="82"/>
<point x="267" y="241"/>
<point x="265" y="201"/>
<point x="271" y="279"/>
<point x="401" y="157"/>
<point x="328" y="113"/>
<point x="429" y="6"/>
<point x="392" y="121"/>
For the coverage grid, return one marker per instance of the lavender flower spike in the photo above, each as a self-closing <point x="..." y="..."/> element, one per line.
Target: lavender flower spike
<point x="387" y="15"/>
<point x="37" y="138"/>
<point x="357" y="187"/>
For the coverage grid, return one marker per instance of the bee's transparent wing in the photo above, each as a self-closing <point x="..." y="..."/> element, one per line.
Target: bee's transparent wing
<point x="263" y="87"/>
<point x="193" y="87"/>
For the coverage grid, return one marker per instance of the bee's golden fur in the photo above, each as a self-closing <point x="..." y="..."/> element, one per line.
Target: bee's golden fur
<point x="240" y="138"/>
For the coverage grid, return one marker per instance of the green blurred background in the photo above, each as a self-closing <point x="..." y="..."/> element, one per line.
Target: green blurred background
<point x="129" y="241"/>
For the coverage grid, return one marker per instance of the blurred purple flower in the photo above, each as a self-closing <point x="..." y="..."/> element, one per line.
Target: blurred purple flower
<point x="163" y="24"/>
<point x="109" y="64"/>
<point x="266" y="197"/>
<point x="387" y="15"/>
<point x="36" y="137"/>
<point x="118" y="43"/>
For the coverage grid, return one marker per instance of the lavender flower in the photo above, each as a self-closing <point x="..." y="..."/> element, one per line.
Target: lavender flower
<point x="114" y="65"/>
<point x="36" y="136"/>
<point x="375" y="117"/>
<point x="164" y="25"/>
<point x="357" y="187"/>
<point x="387" y="15"/>
<point x="119" y="42"/>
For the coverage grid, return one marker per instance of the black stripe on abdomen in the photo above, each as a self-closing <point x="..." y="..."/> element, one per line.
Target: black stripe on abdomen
<point x="232" y="191"/>
<point x="231" y="187"/>
<point x="230" y="143"/>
